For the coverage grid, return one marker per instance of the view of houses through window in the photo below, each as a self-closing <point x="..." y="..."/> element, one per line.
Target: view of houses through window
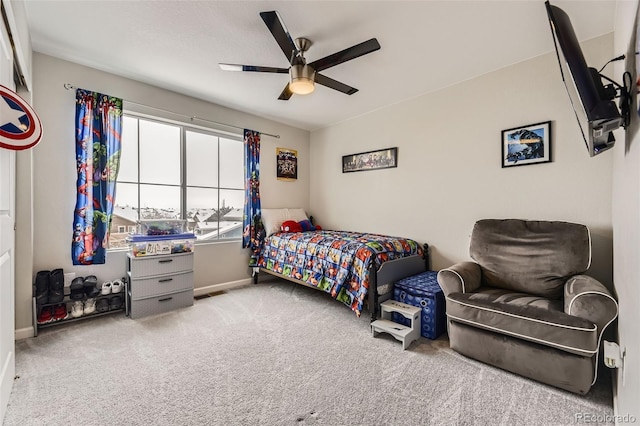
<point x="173" y="171"/>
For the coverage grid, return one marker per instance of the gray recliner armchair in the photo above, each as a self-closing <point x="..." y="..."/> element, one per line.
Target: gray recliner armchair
<point x="525" y="306"/>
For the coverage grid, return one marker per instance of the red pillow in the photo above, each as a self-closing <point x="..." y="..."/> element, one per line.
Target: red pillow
<point x="290" y="226"/>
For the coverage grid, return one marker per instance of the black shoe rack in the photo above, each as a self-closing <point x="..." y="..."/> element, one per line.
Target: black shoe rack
<point x="68" y="302"/>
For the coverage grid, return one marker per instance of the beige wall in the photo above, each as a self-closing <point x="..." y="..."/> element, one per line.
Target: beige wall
<point x="626" y="227"/>
<point x="54" y="173"/>
<point x="449" y="164"/>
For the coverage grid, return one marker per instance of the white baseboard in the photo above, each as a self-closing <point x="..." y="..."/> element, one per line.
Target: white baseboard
<point x="24" y="333"/>
<point x="199" y="291"/>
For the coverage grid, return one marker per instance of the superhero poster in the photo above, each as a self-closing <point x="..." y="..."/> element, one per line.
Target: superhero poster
<point x="287" y="164"/>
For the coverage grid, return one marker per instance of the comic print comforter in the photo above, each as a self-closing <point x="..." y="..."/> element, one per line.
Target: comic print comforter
<point x="336" y="262"/>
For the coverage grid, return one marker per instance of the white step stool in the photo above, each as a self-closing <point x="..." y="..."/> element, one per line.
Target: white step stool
<point x="401" y="332"/>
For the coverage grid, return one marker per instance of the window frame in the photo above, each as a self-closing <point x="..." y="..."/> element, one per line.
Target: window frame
<point x="184" y="127"/>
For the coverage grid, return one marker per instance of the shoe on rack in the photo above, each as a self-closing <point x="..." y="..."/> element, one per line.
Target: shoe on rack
<point x="89" y="306"/>
<point x="115" y="303"/>
<point x="42" y="287"/>
<point x="102" y="305"/>
<point x="107" y="288"/>
<point x="56" y="286"/>
<point x="77" y="309"/>
<point x="46" y="315"/>
<point x="91" y="286"/>
<point x="60" y="312"/>
<point x="77" y="288"/>
<point x="117" y="286"/>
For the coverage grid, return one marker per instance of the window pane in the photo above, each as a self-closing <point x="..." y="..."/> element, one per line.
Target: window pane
<point x="202" y="207"/>
<point x="202" y="159"/>
<point x="129" y="155"/>
<point x="232" y="199"/>
<point x="202" y="199"/>
<point x="232" y="164"/>
<point x="125" y="213"/>
<point x="126" y="195"/>
<point x="231" y="213"/>
<point x="159" y="153"/>
<point x="159" y="202"/>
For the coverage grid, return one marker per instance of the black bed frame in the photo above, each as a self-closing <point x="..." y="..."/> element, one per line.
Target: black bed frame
<point x="388" y="272"/>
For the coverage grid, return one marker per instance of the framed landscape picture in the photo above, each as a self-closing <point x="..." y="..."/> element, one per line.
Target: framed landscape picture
<point x="524" y="145"/>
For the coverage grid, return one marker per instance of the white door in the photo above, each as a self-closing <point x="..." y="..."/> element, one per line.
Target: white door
<point x="7" y="237"/>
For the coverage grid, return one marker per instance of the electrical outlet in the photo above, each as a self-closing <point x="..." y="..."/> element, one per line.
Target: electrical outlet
<point x="612" y="355"/>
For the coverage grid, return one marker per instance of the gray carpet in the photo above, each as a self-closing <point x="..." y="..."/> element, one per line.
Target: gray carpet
<point x="270" y="354"/>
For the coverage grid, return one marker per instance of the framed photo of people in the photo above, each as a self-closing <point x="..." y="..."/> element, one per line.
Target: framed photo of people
<point x="370" y="160"/>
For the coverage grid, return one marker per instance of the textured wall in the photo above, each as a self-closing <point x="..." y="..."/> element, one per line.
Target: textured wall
<point x="449" y="163"/>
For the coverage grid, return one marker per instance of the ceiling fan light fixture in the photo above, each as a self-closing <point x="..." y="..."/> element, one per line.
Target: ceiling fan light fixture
<point x="302" y="79"/>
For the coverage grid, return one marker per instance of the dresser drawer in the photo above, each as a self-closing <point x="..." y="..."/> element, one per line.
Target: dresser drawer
<point x="161" y="304"/>
<point x="159" y="265"/>
<point x="153" y="286"/>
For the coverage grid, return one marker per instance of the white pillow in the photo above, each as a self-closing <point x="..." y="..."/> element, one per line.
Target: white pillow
<point x="272" y="219"/>
<point x="297" y="215"/>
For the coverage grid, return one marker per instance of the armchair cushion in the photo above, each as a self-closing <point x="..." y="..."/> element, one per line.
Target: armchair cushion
<point x="533" y="257"/>
<point x="462" y="277"/>
<point x="526" y="317"/>
<point x="587" y="298"/>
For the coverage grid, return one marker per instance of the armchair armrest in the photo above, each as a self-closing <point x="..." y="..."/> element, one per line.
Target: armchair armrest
<point x="587" y="298"/>
<point x="463" y="277"/>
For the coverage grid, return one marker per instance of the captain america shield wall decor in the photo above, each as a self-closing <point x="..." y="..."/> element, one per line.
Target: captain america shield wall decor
<point x="20" y="127"/>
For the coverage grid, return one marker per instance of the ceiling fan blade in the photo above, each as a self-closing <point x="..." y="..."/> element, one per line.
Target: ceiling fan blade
<point x="281" y="34"/>
<point x="346" y="55"/>
<point x="286" y="93"/>
<point x="334" y="84"/>
<point x="252" y="68"/>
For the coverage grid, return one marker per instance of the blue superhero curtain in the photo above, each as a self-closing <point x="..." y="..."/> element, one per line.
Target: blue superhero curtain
<point x="253" y="231"/>
<point x="98" y="139"/>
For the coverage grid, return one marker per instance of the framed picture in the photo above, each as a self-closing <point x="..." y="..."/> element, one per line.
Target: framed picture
<point x="526" y="145"/>
<point x="370" y="160"/>
<point x="287" y="164"/>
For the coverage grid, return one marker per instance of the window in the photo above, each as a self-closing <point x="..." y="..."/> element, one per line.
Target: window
<point x="175" y="171"/>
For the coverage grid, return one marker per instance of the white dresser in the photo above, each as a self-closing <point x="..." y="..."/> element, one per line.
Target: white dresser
<point x="159" y="284"/>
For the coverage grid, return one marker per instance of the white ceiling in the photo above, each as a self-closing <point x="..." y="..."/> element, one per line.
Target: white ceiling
<point x="425" y="46"/>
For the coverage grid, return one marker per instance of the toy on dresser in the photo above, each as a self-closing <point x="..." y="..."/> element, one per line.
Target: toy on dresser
<point x="161" y="236"/>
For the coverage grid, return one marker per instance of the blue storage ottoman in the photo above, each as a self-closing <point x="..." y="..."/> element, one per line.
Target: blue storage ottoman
<point x="423" y="291"/>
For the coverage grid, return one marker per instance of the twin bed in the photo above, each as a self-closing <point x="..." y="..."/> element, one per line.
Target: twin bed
<point x="354" y="268"/>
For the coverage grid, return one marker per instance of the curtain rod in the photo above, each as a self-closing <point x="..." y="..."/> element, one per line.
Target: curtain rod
<point x="190" y="117"/>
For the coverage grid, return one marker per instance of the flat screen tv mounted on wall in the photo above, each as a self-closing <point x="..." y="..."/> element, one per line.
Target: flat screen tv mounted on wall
<point x="592" y="101"/>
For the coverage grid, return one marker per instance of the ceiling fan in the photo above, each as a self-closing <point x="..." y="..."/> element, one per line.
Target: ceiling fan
<point x="303" y="75"/>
